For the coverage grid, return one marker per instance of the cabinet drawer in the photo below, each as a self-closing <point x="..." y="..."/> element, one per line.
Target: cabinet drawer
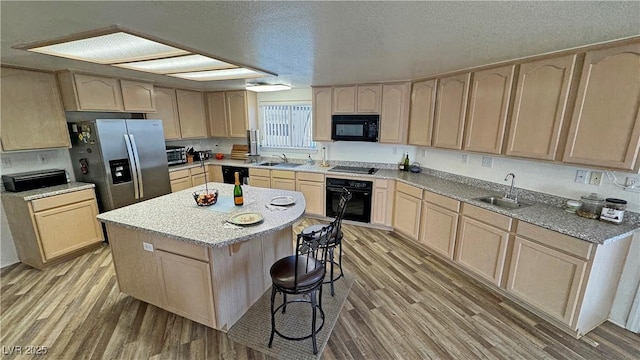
<point x="259" y="172"/>
<point x="489" y="217"/>
<point x="409" y="190"/>
<point x="568" y="244"/>
<point x="182" y="248"/>
<point x="311" y="176"/>
<point x="196" y="171"/>
<point x="281" y="174"/>
<point x="178" y="174"/>
<point x="60" y="200"/>
<point x="443" y="201"/>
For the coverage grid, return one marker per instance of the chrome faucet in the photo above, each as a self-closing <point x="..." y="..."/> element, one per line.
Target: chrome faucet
<point x="283" y="157"/>
<point x="510" y="195"/>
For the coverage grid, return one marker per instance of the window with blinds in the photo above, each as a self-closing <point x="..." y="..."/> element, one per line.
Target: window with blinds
<point x="286" y="126"/>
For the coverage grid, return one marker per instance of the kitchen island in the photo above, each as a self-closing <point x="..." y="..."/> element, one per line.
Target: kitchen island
<point x="189" y="260"/>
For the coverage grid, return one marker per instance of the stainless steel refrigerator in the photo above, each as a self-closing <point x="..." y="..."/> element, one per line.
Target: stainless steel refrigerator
<point x="125" y="158"/>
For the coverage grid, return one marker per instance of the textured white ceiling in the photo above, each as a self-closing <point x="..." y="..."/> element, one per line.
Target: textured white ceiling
<point x="321" y="43"/>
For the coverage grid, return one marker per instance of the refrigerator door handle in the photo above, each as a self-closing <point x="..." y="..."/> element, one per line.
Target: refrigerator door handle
<point x="134" y="166"/>
<point x="138" y="167"/>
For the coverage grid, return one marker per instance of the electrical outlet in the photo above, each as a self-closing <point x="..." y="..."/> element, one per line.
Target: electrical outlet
<point x="6" y="163"/>
<point x="42" y="158"/>
<point x="595" y="178"/>
<point x="581" y="176"/>
<point x="630" y="182"/>
<point x="465" y="158"/>
<point x="424" y="152"/>
<point x="487" y="161"/>
<point x="147" y="247"/>
<point x="395" y="150"/>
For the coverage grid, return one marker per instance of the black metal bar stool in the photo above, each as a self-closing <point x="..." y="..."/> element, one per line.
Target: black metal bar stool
<point x="302" y="274"/>
<point x="335" y="238"/>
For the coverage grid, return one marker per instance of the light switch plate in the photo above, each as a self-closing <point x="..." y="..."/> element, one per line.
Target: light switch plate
<point x="465" y="158"/>
<point x="147" y="246"/>
<point x="487" y="161"/>
<point x="581" y="176"/>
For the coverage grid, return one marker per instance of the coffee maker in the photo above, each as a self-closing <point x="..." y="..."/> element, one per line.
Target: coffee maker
<point x="252" y="144"/>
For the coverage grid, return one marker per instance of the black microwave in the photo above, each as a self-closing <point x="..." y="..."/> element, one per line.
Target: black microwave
<point x="355" y="127"/>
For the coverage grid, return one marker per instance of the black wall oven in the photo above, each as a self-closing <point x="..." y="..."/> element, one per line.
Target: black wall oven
<point x="359" y="207"/>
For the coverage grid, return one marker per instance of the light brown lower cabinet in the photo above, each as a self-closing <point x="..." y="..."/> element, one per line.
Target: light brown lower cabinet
<point x="283" y="180"/>
<point x="260" y="178"/>
<point x="382" y="202"/>
<point x="197" y="176"/>
<point x="481" y="246"/>
<point x="215" y="174"/>
<point x="311" y="185"/>
<point x="439" y="223"/>
<point x="180" y="180"/>
<point x="406" y="215"/>
<point x="53" y="229"/>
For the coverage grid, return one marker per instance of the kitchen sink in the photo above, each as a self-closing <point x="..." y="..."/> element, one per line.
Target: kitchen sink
<point x="279" y="164"/>
<point x="501" y="202"/>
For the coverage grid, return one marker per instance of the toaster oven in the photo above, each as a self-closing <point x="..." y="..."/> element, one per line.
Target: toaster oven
<point x="176" y="155"/>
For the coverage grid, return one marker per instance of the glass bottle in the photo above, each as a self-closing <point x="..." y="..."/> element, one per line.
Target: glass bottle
<point x="237" y="191"/>
<point x="406" y="162"/>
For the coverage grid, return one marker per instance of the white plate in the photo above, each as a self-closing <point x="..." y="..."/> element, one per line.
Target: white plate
<point x="282" y="201"/>
<point x="246" y="218"/>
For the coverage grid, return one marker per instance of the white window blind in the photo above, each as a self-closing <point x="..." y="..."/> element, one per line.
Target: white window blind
<point x="286" y="126"/>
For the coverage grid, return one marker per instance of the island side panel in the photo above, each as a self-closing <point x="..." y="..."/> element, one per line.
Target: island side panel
<point x="241" y="273"/>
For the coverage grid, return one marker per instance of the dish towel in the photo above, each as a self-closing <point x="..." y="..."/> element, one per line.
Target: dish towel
<point x="275" y="208"/>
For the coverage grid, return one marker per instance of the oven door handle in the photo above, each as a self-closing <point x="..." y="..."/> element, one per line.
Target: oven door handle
<point x="339" y="190"/>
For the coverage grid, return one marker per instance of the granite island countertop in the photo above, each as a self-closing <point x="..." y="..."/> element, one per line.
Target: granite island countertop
<point x="49" y="191"/>
<point x="177" y="216"/>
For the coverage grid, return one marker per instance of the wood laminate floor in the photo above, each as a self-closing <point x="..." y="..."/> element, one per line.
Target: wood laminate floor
<point x="405" y="304"/>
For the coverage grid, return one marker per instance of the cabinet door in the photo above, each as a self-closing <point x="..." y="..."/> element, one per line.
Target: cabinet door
<point x="423" y="105"/>
<point x="451" y="110"/>
<point x="180" y="184"/>
<point x="186" y="287"/>
<point x="283" y="184"/>
<point x="191" y="112"/>
<point x="197" y="180"/>
<point x="394" y="116"/>
<point x="488" y="106"/>
<point x="482" y="249"/>
<point x="438" y="229"/>
<point x="260" y="181"/>
<point x="368" y="99"/>
<point x="321" y="105"/>
<point x="314" y="196"/>
<point x="344" y="100"/>
<point x="237" y="113"/>
<point x="382" y="202"/>
<point x="167" y="111"/>
<point x="605" y="127"/>
<point x="406" y="217"/>
<point x="138" y="96"/>
<point x="217" y="113"/>
<point x="98" y="93"/>
<point x="546" y="278"/>
<point x="540" y="106"/>
<point x="31" y="105"/>
<point x="215" y="173"/>
<point x="67" y="228"/>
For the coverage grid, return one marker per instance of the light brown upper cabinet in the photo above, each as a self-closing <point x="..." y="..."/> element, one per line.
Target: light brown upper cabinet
<point x="321" y="105"/>
<point x="368" y="99"/>
<point x="138" y="96"/>
<point x="423" y="105"/>
<point x="167" y="111"/>
<point x="605" y="127"/>
<point x="451" y="109"/>
<point x="344" y="99"/>
<point x="488" y="106"/>
<point x="31" y="107"/>
<point x="192" y="115"/>
<point x="540" y="106"/>
<point x="83" y="92"/>
<point x="231" y="113"/>
<point x="394" y="115"/>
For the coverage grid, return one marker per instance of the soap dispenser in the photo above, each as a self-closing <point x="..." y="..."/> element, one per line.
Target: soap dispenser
<point x="309" y="160"/>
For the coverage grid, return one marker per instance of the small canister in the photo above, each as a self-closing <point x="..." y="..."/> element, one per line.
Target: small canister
<point x="591" y="206"/>
<point x="613" y="210"/>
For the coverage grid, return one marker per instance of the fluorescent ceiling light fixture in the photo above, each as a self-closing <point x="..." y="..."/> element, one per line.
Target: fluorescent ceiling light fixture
<point x="227" y="74"/>
<point x="267" y="87"/>
<point x="180" y="64"/>
<point x="130" y="50"/>
<point x="110" y="49"/>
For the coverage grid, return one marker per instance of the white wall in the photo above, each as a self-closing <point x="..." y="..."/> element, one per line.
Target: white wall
<point x="21" y="162"/>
